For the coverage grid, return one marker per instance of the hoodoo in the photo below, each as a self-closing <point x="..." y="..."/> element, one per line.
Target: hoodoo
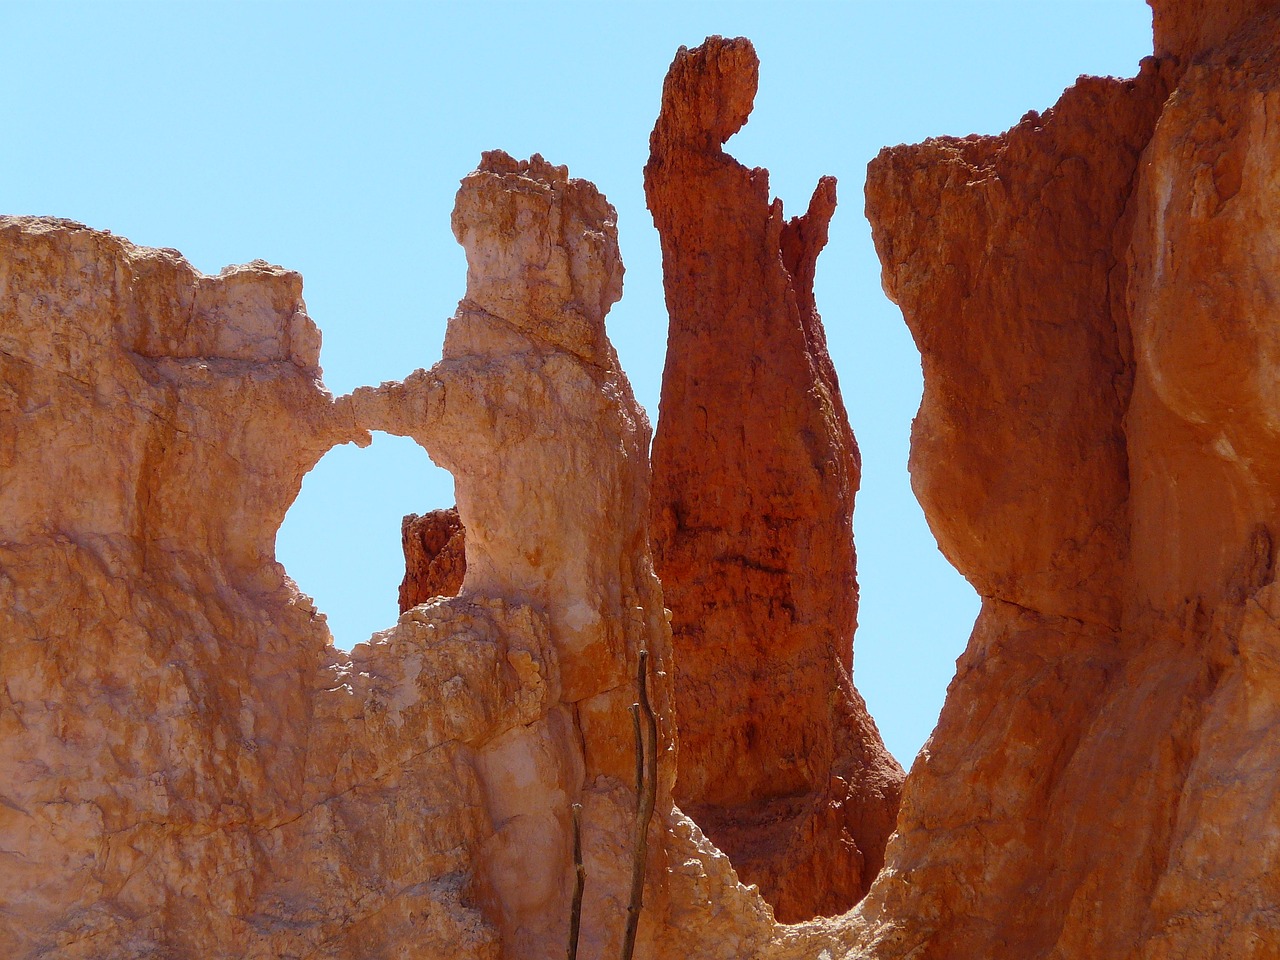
<point x="190" y="769"/>
<point x="754" y="475"/>
<point x="435" y="558"/>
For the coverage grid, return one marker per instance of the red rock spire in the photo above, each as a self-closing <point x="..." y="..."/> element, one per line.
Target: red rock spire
<point x="755" y="470"/>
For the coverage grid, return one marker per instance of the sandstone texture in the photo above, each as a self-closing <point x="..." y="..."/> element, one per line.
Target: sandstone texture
<point x="188" y="767"/>
<point x="1094" y="298"/>
<point x="435" y="557"/>
<point x="754" y="475"/>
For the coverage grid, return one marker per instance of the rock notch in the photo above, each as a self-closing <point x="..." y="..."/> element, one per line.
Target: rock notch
<point x="755" y="470"/>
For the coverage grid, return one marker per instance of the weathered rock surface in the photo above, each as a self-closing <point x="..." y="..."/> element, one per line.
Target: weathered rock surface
<point x="188" y="767"/>
<point x="435" y="557"/>
<point x="1185" y="29"/>
<point x="1093" y="294"/>
<point x="755" y="470"/>
<point x="555" y="515"/>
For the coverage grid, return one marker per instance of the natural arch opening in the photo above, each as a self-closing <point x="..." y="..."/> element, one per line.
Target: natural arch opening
<point x="341" y="539"/>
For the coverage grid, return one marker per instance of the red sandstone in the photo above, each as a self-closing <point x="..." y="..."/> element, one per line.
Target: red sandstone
<point x="754" y="475"/>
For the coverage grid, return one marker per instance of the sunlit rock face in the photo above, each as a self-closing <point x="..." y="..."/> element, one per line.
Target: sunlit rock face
<point x="755" y="470"/>
<point x="188" y="767"/>
<point x="1094" y="297"/>
<point x="531" y="413"/>
<point x="160" y="671"/>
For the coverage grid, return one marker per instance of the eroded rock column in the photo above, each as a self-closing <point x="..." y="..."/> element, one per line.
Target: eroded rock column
<point x="531" y="412"/>
<point x="1093" y="295"/>
<point x="435" y="557"/>
<point x="755" y="470"/>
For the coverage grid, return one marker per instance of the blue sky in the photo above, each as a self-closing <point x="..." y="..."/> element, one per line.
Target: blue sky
<point x="330" y="137"/>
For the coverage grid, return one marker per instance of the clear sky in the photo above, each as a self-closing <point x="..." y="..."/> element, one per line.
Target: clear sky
<point x="330" y="137"/>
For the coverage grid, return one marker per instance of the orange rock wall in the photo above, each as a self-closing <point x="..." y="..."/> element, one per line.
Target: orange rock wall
<point x="1093" y="297"/>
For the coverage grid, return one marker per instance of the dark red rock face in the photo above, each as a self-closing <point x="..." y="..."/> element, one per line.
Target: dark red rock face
<point x="435" y="557"/>
<point x="1093" y="294"/>
<point x="754" y="475"/>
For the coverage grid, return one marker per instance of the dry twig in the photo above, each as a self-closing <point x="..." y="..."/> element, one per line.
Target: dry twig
<point x="646" y="734"/>
<point x="580" y="879"/>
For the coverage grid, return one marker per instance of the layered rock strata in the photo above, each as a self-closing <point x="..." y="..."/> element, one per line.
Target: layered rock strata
<point x="435" y="557"/>
<point x="1094" y="298"/>
<point x="188" y="767"/>
<point x="755" y="470"/>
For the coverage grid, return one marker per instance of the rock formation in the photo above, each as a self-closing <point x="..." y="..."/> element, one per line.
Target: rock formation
<point x="526" y="355"/>
<point x="755" y="470"/>
<point x="435" y="557"/>
<point x="1093" y="295"/>
<point x="188" y="767"/>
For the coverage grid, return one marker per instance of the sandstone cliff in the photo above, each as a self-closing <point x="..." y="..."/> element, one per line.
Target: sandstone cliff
<point x="188" y="768"/>
<point x="754" y="475"/>
<point x="187" y="765"/>
<point x="1093" y="294"/>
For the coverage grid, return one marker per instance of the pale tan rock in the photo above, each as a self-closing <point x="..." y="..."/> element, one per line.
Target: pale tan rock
<point x="188" y="767"/>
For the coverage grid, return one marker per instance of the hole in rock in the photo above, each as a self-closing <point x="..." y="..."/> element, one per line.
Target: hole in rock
<point x="340" y="541"/>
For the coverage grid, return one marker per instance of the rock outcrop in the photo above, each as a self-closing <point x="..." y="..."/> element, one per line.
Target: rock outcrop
<point x="188" y="767"/>
<point x="555" y="516"/>
<point x="755" y="470"/>
<point x="1094" y="298"/>
<point x="435" y="556"/>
